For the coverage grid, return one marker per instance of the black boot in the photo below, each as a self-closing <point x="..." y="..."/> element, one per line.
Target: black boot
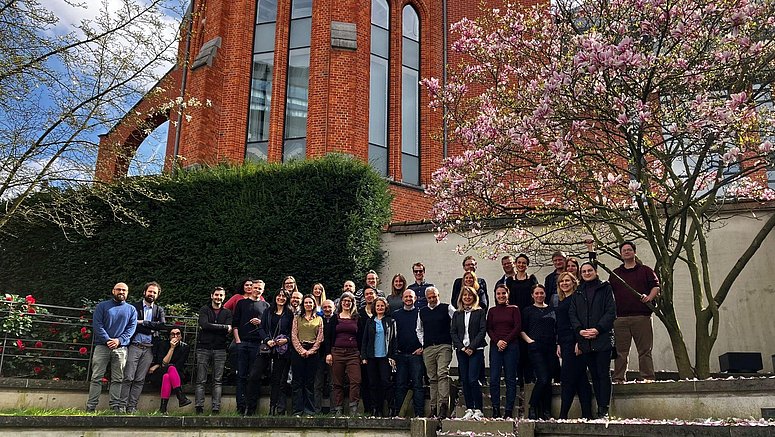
<point x="163" y="406"/>
<point x="546" y="415"/>
<point x="182" y="399"/>
<point x="531" y="414"/>
<point x="602" y="412"/>
<point x="496" y="411"/>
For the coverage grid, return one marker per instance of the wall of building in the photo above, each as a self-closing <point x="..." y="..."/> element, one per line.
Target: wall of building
<point x="746" y="315"/>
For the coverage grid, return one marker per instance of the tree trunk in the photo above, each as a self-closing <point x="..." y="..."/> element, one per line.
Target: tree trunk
<point x="704" y="344"/>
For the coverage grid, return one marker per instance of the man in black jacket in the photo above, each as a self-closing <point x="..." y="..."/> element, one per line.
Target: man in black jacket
<point x="150" y="320"/>
<point x="245" y="323"/>
<point x="214" y="329"/>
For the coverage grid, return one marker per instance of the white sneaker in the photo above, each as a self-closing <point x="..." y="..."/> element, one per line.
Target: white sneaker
<point x="478" y="415"/>
<point x="469" y="414"/>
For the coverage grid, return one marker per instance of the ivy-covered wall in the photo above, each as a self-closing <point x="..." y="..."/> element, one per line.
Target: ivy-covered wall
<point x="318" y="220"/>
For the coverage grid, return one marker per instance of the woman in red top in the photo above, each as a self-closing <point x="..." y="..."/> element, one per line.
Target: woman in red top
<point x="504" y="323"/>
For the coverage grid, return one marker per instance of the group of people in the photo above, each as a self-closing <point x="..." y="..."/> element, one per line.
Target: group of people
<point x="376" y="346"/>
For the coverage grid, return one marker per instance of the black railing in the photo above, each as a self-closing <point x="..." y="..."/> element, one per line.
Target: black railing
<point x="55" y="342"/>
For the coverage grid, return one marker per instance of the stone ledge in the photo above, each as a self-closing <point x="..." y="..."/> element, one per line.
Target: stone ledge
<point x="531" y="429"/>
<point x="197" y="422"/>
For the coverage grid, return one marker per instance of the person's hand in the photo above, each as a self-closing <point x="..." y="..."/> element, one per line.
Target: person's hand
<point x="392" y="362"/>
<point x="577" y="350"/>
<point x="255" y="321"/>
<point x="271" y="343"/>
<point x="113" y="343"/>
<point x="153" y="368"/>
<point x="230" y="328"/>
<point x="329" y="359"/>
<point x="502" y="345"/>
<point x="174" y="342"/>
<point x="468" y="351"/>
<point x="645" y="298"/>
<point x="417" y="352"/>
<point x="559" y="353"/>
<point x="364" y="362"/>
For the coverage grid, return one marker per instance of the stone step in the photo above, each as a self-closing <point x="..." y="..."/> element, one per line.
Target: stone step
<point x="475" y="427"/>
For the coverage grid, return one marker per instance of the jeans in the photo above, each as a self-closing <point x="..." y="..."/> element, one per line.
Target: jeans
<point x="101" y="357"/>
<point x="203" y="359"/>
<point x="303" y="383"/>
<point x="599" y="365"/>
<point x="246" y="357"/>
<point x="541" y="359"/>
<point x="138" y="361"/>
<point x="409" y="369"/>
<point x="437" y="359"/>
<point x="573" y="380"/>
<point x="508" y="361"/>
<point x="469" y="367"/>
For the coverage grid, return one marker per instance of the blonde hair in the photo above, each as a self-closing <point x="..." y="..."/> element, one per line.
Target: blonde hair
<point x="476" y="280"/>
<point x="466" y="289"/>
<point x="573" y="279"/>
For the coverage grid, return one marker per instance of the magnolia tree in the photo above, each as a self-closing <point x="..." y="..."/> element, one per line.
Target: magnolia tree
<point x="68" y="72"/>
<point x="624" y="119"/>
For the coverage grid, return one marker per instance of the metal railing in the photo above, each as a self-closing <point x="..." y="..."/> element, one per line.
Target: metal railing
<point x="55" y="342"/>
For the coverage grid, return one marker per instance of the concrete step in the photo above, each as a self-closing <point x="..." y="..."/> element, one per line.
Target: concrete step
<point x="478" y="427"/>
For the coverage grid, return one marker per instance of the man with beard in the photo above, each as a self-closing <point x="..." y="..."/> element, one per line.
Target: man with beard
<point x="114" y="324"/>
<point x="150" y="320"/>
<point x="214" y="330"/>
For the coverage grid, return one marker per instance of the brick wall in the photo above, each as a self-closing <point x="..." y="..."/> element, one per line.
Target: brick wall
<point x="338" y="87"/>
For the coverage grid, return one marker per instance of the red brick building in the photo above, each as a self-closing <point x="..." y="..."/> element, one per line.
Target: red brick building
<point x="291" y="79"/>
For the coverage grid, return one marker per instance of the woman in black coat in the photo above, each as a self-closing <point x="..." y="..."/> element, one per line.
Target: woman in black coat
<point x="592" y="314"/>
<point x="471" y="319"/>
<point x="167" y="368"/>
<point x="275" y="333"/>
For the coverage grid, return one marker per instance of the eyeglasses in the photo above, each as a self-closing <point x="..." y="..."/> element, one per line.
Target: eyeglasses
<point x="418" y="271"/>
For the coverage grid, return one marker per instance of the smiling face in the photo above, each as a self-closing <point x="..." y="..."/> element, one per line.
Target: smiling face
<point x="296" y="299"/>
<point x="380" y="307"/>
<point x="432" y="296"/>
<point x="588" y="273"/>
<point x="468" y="279"/>
<point x="502" y="295"/>
<point x="281" y="299"/>
<point x="372" y="279"/>
<point x="369" y="295"/>
<point x="317" y="290"/>
<point x="521" y="264"/>
<point x="539" y="295"/>
<point x="151" y="294"/>
<point x="349" y="286"/>
<point x="309" y="305"/>
<point x="217" y="297"/>
<point x="508" y="265"/>
<point x="408" y="298"/>
<point x="120" y="292"/>
<point x="258" y="288"/>
<point x="289" y="284"/>
<point x="566" y="284"/>
<point x="247" y="288"/>
<point x="468" y="297"/>
<point x="572" y="266"/>
<point x="398" y="283"/>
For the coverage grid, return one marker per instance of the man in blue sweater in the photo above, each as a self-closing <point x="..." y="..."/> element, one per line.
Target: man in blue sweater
<point x="114" y="324"/>
<point x="409" y="364"/>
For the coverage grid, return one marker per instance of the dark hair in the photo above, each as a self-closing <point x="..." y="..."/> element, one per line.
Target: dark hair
<point x="149" y="284"/>
<point x="314" y="304"/>
<point x="522" y="255"/>
<point x="469" y="257"/>
<point x="241" y="285"/>
<point x="628" y="242"/>
<point x="502" y="285"/>
<point x="559" y="253"/>
<point x="533" y="289"/>
<point x="418" y="264"/>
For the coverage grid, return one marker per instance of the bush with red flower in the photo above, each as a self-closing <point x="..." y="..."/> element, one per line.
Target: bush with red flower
<point x="40" y="344"/>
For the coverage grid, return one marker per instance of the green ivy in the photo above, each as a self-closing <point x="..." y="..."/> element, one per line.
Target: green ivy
<point x="318" y="220"/>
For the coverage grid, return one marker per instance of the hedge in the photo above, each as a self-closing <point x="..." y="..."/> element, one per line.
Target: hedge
<point x="318" y="220"/>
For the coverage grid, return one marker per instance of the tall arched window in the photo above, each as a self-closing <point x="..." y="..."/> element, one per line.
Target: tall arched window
<point x="378" y="86"/>
<point x="410" y="96"/>
<point x="297" y="92"/>
<point x="261" y="82"/>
